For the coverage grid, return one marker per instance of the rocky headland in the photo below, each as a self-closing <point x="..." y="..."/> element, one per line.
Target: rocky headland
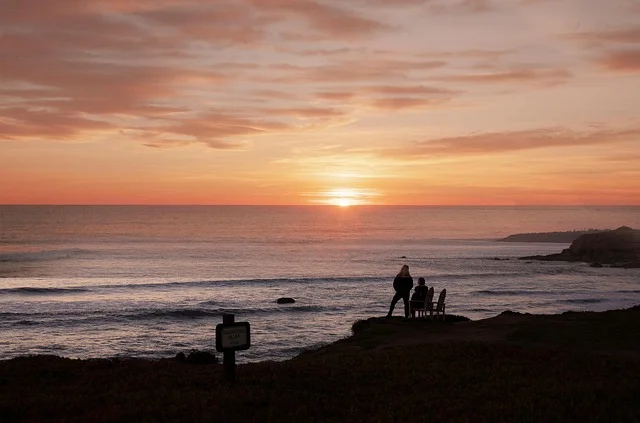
<point x="617" y="248"/>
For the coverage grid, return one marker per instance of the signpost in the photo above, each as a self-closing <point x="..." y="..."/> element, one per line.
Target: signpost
<point x="231" y="336"/>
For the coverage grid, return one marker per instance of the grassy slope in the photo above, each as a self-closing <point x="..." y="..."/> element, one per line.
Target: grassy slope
<point x="572" y="367"/>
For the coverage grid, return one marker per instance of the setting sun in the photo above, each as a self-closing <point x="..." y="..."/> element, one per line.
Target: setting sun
<point x="345" y="197"/>
<point x="341" y="202"/>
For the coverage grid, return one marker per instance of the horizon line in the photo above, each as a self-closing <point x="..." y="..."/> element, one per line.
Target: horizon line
<point x="305" y="205"/>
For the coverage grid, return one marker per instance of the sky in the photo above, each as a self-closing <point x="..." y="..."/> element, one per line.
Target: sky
<point x="344" y="102"/>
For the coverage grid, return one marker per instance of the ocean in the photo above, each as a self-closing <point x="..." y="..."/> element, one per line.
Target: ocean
<point x="153" y="281"/>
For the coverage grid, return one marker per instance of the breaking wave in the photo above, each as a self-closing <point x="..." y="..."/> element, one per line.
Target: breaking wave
<point x="34" y="290"/>
<point x="42" y="255"/>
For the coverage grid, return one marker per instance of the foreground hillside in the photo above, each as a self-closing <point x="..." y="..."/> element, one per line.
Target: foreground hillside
<point x="579" y="367"/>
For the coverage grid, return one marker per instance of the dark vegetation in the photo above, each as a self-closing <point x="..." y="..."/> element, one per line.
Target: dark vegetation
<point x="371" y="324"/>
<point x="606" y="331"/>
<point x="197" y="357"/>
<point x="581" y="367"/>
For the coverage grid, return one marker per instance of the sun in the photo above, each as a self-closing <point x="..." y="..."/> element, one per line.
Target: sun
<point x="341" y="202"/>
<point x="346" y="197"/>
<point x="343" y="197"/>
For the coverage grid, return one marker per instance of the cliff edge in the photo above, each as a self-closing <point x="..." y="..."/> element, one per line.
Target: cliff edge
<point x="619" y="248"/>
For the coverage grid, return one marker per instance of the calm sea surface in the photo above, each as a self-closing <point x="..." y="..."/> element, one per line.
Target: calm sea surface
<point x="152" y="281"/>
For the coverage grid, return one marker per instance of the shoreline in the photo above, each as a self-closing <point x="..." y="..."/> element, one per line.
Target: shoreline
<point x="381" y="332"/>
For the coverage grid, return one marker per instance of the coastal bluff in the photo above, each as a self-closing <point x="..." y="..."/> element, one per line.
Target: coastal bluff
<point x="514" y="367"/>
<point x="619" y="248"/>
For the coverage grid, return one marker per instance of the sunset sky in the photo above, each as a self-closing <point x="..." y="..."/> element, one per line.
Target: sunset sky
<point x="475" y="102"/>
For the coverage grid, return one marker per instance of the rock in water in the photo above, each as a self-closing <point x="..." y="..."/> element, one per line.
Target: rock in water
<point x="285" y="300"/>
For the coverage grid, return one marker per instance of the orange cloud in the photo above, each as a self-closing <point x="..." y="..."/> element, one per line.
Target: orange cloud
<point x="393" y="97"/>
<point x="532" y="75"/>
<point x="325" y="17"/>
<point x="213" y="129"/>
<point x="471" y="53"/>
<point x="622" y="61"/>
<point x="395" y="3"/>
<point x="352" y="71"/>
<point x="408" y="90"/>
<point x="612" y="55"/>
<point x="307" y="112"/>
<point x="629" y="35"/>
<point x="504" y="142"/>
<point x="335" y="95"/>
<point x="18" y="123"/>
<point x="161" y="68"/>
<point x="399" y="103"/>
<point x="89" y="63"/>
<point x="464" y="6"/>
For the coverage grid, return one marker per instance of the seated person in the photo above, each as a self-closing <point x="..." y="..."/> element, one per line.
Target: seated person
<point x="419" y="296"/>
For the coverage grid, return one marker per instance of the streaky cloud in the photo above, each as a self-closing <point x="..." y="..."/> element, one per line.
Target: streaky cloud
<point x="505" y="142"/>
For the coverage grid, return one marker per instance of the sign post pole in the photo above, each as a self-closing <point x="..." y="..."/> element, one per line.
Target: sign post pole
<point x="229" y="356"/>
<point x="232" y="336"/>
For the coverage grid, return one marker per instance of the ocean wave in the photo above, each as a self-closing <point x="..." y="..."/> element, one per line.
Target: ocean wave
<point x="25" y="323"/>
<point x="235" y="282"/>
<point x="582" y="300"/>
<point x="197" y="313"/>
<point x="511" y="292"/>
<point x="175" y="313"/>
<point x="471" y="276"/>
<point x="75" y="318"/>
<point x="34" y="290"/>
<point x="41" y="255"/>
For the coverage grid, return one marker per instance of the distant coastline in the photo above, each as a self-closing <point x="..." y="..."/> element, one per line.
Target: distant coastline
<point x="558" y="237"/>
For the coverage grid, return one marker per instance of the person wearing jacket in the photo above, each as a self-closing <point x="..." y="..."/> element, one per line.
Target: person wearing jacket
<point x="402" y="284"/>
<point x="419" y="296"/>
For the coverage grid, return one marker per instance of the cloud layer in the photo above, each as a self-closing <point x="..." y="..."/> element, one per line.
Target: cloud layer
<point x="77" y="69"/>
<point x="391" y="81"/>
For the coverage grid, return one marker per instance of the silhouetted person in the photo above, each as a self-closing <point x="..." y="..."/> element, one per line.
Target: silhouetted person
<point x="402" y="284"/>
<point x="419" y="296"/>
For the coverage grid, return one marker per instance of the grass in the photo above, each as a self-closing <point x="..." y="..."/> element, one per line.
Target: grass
<point x="537" y="375"/>
<point x="610" y="330"/>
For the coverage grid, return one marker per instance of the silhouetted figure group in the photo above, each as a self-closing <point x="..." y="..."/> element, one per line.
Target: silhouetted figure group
<point x="402" y="284"/>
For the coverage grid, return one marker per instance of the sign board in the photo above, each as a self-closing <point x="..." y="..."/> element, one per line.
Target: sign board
<point x="233" y="336"/>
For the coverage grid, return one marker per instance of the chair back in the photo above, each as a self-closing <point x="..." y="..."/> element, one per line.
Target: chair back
<point x="429" y="295"/>
<point x="440" y="304"/>
<point x="428" y="301"/>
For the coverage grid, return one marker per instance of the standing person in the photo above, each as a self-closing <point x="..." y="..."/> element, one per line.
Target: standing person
<point x="402" y="284"/>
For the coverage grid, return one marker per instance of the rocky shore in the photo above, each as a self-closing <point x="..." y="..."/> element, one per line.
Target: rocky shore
<point x="616" y="248"/>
